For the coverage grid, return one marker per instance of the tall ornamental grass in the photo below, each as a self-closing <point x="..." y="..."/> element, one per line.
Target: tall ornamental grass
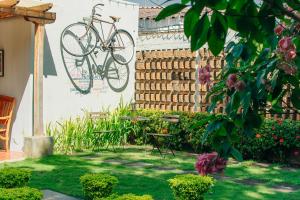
<point x="82" y="133"/>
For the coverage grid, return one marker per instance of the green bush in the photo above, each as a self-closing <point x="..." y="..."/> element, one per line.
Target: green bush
<point x="23" y="193"/>
<point x="191" y="187"/>
<point x="77" y="134"/>
<point x="274" y="141"/>
<point x="97" y="185"/>
<point x="13" y="177"/>
<point x="129" y="197"/>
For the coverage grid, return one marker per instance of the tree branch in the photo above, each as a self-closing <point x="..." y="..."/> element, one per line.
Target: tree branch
<point x="284" y="10"/>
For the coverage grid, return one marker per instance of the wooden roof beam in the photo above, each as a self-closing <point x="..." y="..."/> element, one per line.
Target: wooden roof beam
<point x="26" y="12"/>
<point x="8" y="3"/>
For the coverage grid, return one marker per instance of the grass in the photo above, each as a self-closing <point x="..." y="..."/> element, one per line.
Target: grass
<point x="61" y="173"/>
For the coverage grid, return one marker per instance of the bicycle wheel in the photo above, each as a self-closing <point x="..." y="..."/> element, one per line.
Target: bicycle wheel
<point x="79" y="71"/>
<point x="117" y="74"/>
<point x="79" y="39"/>
<point x="122" y="44"/>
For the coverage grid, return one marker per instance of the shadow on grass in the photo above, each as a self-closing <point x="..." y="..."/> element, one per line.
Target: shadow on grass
<point x="61" y="173"/>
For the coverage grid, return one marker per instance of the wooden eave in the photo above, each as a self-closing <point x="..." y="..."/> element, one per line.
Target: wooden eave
<point x="35" y="11"/>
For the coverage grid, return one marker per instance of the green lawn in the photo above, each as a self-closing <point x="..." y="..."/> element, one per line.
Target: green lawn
<point x="142" y="172"/>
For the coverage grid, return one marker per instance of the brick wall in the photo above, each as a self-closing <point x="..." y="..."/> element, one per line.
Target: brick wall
<point x="166" y="80"/>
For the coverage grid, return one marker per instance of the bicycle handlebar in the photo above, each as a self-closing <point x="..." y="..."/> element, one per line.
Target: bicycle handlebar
<point x="95" y="6"/>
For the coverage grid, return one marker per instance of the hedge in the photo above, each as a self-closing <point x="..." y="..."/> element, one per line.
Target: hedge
<point x="14" y="177"/>
<point x="23" y="193"/>
<point x="97" y="185"/>
<point x="191" y="187"/>
<point x="129" y="197"/>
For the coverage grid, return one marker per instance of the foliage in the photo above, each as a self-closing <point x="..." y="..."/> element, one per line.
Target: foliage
<point x="129" y="197"/>
<point x="97" y="185"/>
<point x="262" y="63"/>
<point x="79" y="134"/>
<point x="275" y="141"/>
<point x="23" y="193"/>
<point x="192" y="187"/>
<point x="13" y="177"/>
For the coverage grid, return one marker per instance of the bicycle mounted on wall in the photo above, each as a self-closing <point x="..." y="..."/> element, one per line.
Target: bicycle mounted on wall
<point x="81" y="42"/>
<point x="118" y="42"/>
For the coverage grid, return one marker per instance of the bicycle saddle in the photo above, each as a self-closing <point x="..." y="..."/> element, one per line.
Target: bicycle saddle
<point x="115" y="19"/>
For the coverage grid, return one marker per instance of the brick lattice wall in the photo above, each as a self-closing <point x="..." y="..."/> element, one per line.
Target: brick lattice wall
<point x="166" y="80"/>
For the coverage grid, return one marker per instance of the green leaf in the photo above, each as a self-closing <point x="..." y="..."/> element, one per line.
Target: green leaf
<point x="274" y="78"/>
<point x="185" y="1"/>
<point x="295" y="98"/>
<point x="296" y="41"/>
<point x="190" y="20"/>
<point x="218" y="33"/>
<point x="246" y="98"/>
<point x="199" y="36"/>
<point x="237" y="4"/>
<point x="170" y="10"/>
<point x="218" y="4"/>
<point x="237" y="50"/>
<point x="236" y="154"/>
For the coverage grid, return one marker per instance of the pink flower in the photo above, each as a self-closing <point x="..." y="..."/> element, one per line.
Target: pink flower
<point x="231" y="80"/>
<point x="240" y="86"/>
<point x="209" y="163"/>
<point x="288" y="69"/>
<point x="275" y="137"/>
<point x="296" y="153"/>
<point x="279" y="29"/>
<point x="204" y="74"/>
<point x="291" y="54"/>
<point x="285" y="44"/>
<point x="281" y="140"/>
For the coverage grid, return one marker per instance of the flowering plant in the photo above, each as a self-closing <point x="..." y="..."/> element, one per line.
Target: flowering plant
<point x="210" y="163"/>
<point x="262" y="62"/>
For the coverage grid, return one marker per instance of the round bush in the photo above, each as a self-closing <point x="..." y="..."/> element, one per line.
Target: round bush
<point x="129" y="197"/>
<point x="97" y="185"/>
<point x="13" y="177"/>
<point x="24" y="193"/>
<point x="191" y="187"/>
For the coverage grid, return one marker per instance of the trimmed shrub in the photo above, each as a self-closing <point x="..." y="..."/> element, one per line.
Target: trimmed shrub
<point x="191" y="187"/>
<point x="14" y="177"/>
<point x="97" y="185"/>
<point x="23" y="193"/>
<point x="129" y="197"/>
<point x="274" y="141"/>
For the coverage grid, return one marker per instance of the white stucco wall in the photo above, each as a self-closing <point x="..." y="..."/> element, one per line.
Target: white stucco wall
<point x="16" y="40"/>
<point x="61" y="99"/>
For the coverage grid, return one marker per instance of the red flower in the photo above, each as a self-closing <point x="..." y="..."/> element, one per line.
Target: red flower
<point x="281" y="140"/>
<point x="275" y="137"/>
<point x="210" y="163"/>
<point x="291" y="54"/>
<point x="258" y="135"/>
<point x="285" y="44"/>
<point x="298" y="137"/>
<point x="231" y="80"/>
<point x="296" y="153"/>
<point x="204" y="74"/>
<point x="279" y="29"/>
<point x="240" y="86"/>
<point x="279" y="121"/>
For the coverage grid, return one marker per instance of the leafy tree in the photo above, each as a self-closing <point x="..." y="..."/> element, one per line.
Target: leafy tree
<point x="262" y="63"/>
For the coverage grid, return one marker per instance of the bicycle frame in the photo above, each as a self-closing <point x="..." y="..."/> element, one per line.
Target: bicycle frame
<point x="104" y="43"/>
